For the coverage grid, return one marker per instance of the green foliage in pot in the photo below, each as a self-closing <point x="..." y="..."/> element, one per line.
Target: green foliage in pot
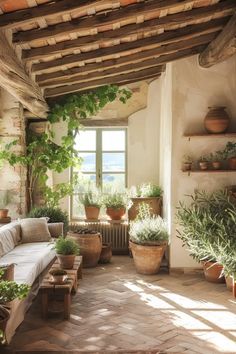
<point x="230" y="149"/>
<point x="115" y="201"/>
<point x="91" y="198"/>
<point x="4" y="199"/>
<point x="147" y="228"/>
<point x="207" y="223"/>
<point x="54" y="215"/>
<point x="10" y="290"/>
<point x="66" y="246"/>
<point x="147" y="190"/>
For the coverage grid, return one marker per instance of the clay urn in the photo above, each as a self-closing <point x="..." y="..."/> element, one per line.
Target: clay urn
<point x="216" y="120"/>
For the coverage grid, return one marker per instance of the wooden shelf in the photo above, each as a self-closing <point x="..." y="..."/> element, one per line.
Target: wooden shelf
<point x="204" y="135"/>
<point x="208" y="171"/>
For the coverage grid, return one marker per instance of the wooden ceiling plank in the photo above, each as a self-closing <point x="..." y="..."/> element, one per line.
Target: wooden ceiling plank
<point x="155" y="41"/>
<point x="15" y="80"/>
<point x="222" y="47"/>
<point x="114" y="122"/>
<point x="53" y="8"/>
<point x="185" y="17"/>
<point x="124" y="79"/>
<point x="97" y="21"/>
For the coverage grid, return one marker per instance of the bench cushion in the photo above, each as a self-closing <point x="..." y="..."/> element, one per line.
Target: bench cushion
<point x="9" y="237"/>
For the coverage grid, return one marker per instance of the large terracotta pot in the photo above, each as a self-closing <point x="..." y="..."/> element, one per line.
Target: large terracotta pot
<point x="90" y="247"/>
<point x="4" y="317"/>
<point x="3" y="213"/>
<point x="147" y="259"/>
<point x="153" y="202"/>
<point x="106" y="254"/>
<point x="232" y="163"/>
<point x="92" y="212"/>
<point x="216" y="120"/>
<point x="115" y="214"/>
<point x="229" y="282"/>
<point x="66" y="261"/>
<point x="213" y="272"/>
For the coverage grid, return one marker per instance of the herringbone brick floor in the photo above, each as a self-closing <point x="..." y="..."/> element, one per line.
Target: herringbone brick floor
<point x="115" y="308"/>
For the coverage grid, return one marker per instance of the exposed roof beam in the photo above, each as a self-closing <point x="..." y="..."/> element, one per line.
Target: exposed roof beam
<point x="144" y="43"/>
<point x="186" y="17"/>
<point x="222" y="47"/>
<point x="53" y="8"/>
<point x="121" y="79"/>
<point x="98" y="21"/>
<point x="15" y="80"/>
<point x="114" y="122"/>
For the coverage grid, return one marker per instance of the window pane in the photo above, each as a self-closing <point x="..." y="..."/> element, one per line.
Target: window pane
<point x="77" y="207"/>
<point x="86" y="140"/>
<point x="89" y="162"/>
<point x="85" y="181"/>
<point x="113" y="140"/>
<point x="111" y="182"/>
<point x="113" y="162"/>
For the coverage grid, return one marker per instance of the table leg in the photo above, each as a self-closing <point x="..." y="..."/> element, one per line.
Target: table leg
<point x="67" y="301"/>
<point x="44" y="305"/>
<point x="80" y="272"/>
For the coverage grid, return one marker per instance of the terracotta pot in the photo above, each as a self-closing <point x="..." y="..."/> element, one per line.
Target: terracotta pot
<point x="154" y="203"/>
<point x="213" y="272"/>
<point x="147" y="259"/>
<point x="187" y="166"/>
<point x="106" y="254"/>
<point x="59" y="279"/>
<point x="216" y="120"/>
<point x="3" y="213"/>
<point x="229" y="282"/>
<point x="216" y="165"/>
<point x="66" y="261"/>
<point x="203" y="165"/>
<point x="232" y="163"/>
<point x="4" y="317"/>
<point x="92" y="212"/>
<point x="90" y="247"/>
<point x="115" y="214"/>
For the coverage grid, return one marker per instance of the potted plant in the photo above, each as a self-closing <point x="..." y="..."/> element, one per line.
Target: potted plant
<point x="92" y="204"/>
<point x="66" y="250"/>
<point x="148" y="193"/>
<point x="216" y="160"/>
<point x="4" y="201"/>
<point x="148" y="241"/>
<point x="206" y="226"/>
<point x="115" y="204"/>
<point x="187" y="163"/>
<point x="230" y="151"/>
<point x="203" y="162"/>
<point x="9" y="291"/>
<point x="58" y="275"/>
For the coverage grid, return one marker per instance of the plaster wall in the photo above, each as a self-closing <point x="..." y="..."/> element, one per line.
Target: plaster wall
<point x="193" y="90"/>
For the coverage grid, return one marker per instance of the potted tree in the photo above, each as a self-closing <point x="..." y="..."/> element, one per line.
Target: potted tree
<point x="91" y="201"/>
<point x="148" y="240"/>
<point x="66" y="250"/>
<point x="115" y="204"/>
<point x="148" y="193"/>
<point x="9" y="291"/>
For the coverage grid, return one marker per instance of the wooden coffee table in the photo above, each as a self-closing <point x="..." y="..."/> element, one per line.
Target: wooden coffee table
<point x="49" y="290"/>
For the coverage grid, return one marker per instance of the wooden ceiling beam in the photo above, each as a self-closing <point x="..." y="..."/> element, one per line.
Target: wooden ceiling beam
<point x="121" y="79"/>
<point x="15" y="80"/>
<point x="53" y="8"/>
<point x="97" y="21"/>
<point x="222" y="47"/>
<point x="223" y="9"/>
<point x="144" y="43"/>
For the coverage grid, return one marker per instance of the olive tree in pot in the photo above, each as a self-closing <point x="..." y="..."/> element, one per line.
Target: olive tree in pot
<point x="66" y="250"/>
<point x="148" y="241"/>
<point x="91" y="201"/>
<point x="115" y="204"/>
<point x="206" y="224"/>
<point x="148" y="193"/>
<point x="9" y="291"/>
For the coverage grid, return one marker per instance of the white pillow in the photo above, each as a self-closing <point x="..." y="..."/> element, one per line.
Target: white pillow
<point x="34" y="230"/>
<point x="8" y="241"/>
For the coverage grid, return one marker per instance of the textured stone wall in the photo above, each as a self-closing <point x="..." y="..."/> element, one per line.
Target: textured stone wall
<point x="12" y="179"/>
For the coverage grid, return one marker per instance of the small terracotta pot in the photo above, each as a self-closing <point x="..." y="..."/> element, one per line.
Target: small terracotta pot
<point x="229" y="282"/>
<point x="216" y="165"/>
<point x="232" y="163"/>
<point x="3" y="213"/>
<point x="203" y="165"/>
<point x="66" y="261"/>
<point x="216" y="120"/>
<point x="213" y="272"/>
<point x="59" y="279"/>
<point x="115" y="214"/>
<point x="92" y="212"/>
<point x="106" y="253"/>
<point x="187" y="166"/>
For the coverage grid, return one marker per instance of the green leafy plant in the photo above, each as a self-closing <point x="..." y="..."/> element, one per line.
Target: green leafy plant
<point x="54" y="215"/>
<point x="146" y="190"/>
<point x="230" y="149"/>
<point x="187" y="159"/>
<point x="66" y="246"/>
<point x="10" y="290"/>
<point x="91" y="198"/>
<point x="115" y="201"/>
<point x="54" y="194"/>
<point x="204" y="158"/>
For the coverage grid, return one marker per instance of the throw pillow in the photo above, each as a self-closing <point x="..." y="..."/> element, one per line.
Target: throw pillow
<point x="34" y="230"/>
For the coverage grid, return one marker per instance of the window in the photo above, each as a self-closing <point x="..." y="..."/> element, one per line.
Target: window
<point x="104" y="162"/>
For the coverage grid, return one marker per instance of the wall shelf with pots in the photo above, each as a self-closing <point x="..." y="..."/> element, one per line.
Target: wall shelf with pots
<point x="207" y="171"/>
<point x="207" y="135"/>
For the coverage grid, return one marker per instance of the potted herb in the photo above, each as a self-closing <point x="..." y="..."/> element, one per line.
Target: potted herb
<point x="4" y="201"/>
<point x="187" y="163"/>
<point x="92" y="204"/>
<point x="58" y="275"/>
<point x="148" y="193"/>
<point x="9" y="291"/>
<point x="66" y="250"/>
<point x="203" y="162"/>
<point x="230" y="151"/>
<point x="115" y="204"/>
<point x="216" y="160"/>
<point x="148" y="241"/>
